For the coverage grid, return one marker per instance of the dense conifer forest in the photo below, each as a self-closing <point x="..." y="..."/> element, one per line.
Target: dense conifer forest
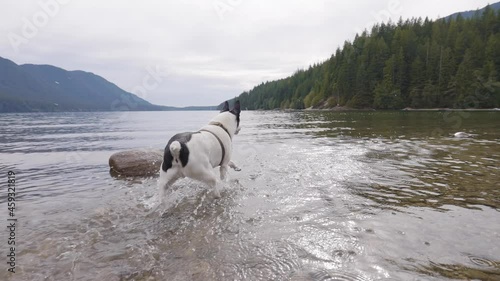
<point x="447" y="63"/>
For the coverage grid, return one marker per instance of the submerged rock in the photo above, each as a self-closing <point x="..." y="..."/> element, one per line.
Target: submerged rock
<point x="136" y="163"/>
<point x="462" y="135"/>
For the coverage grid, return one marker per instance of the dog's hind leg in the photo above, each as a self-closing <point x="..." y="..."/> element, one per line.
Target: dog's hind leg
<point x="211" y="180"/>
<point x="166" y="180"/>
<point x="215" y="187"/>
<point x="207" y="176"/>
<point x="164" y="183"/>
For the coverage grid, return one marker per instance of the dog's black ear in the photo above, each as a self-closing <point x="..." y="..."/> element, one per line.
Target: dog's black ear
<point x="226" y="107"/>
<point x="237" y="108"/>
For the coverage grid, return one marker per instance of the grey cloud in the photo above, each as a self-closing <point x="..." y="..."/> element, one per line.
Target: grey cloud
<point x="208" y="58"/>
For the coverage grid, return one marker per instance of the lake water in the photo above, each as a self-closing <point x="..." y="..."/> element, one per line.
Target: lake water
<point x="321" y="196"/>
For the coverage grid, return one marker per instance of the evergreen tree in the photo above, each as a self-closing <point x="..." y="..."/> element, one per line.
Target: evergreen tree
<point x="414" y="63"/>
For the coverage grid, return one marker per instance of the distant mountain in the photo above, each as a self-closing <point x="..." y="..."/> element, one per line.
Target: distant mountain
<point x="472" y="13"/>
<point x="28" y="88"/>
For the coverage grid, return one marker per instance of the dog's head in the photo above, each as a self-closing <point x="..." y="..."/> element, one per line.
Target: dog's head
<point x="229" y="119"/>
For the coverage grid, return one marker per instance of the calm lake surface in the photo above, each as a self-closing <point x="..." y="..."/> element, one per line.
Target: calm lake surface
<point x="321" y="196"/>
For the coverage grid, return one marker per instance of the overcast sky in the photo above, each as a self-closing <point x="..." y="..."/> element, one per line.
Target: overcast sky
<point x="194" y="52"/>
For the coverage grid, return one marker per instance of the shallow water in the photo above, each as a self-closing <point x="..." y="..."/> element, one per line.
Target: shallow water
<point x="321" y="196"/>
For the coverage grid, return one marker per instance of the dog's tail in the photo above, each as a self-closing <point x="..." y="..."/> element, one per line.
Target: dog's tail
<point x="175" y="149"/>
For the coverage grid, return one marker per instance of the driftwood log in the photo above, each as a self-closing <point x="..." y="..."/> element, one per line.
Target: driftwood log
<point x="136" y="163"/>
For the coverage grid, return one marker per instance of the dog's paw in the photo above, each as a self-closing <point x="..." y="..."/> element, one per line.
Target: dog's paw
<point x="233" y="166"/>
<point x="216" y="194"/>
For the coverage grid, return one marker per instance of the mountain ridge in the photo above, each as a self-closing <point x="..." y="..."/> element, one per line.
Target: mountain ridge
<point x="33" y="88"/>
<point x="472" y="13"/>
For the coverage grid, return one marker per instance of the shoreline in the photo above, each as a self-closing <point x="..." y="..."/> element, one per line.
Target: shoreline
<point x="343" y="108"/>
<point x="450" y="109"/>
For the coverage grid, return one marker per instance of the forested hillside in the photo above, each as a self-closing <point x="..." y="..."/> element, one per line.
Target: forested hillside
<point x="448" y="63"/>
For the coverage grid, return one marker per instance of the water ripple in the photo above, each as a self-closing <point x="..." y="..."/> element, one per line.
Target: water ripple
<point x="321" y="196"/>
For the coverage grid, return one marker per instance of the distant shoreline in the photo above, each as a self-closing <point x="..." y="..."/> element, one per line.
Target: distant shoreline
<point x="105" y="111"/>
<point x="343" y="108"/>
<point x="333" y="109"/>
<point x="450" y="109"/>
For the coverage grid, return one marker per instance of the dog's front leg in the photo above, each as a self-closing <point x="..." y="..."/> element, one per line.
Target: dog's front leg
<point x="233" y="166"/>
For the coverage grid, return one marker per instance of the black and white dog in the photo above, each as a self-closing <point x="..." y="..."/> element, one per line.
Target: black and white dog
<point x="196" y="154"/>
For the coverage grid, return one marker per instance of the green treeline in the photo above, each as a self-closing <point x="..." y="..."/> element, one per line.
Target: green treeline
<point x="448" y="63"/>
